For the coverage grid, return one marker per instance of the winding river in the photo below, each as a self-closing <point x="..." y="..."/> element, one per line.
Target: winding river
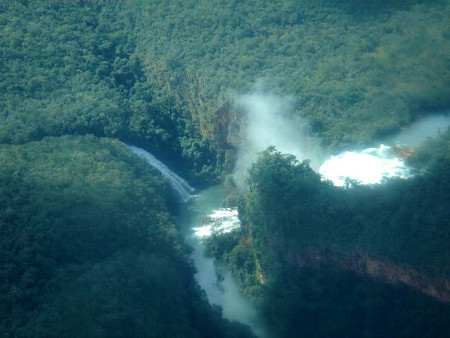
<point x="195" y="212"/>
<point x="224" y="292"/>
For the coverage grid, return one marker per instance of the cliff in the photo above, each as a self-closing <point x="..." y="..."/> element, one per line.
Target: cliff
<point x="367" y="266"/>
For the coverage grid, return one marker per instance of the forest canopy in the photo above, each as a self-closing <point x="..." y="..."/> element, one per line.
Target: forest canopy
<point x="288" y="204"/>
<point x="88" y="241"/>
<point x="320" y="260"/>
<point x="71" y="68"/>
<point x="357" y="69"/>
<point x="89" y="247"/>
<point x="163" y="74"/>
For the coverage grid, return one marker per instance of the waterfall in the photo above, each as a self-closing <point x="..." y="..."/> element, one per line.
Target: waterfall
<point x="368" y="166"/>
<point x="225" y="291"/>
<point x="180" y="185"/>
<point x="371" y="165"/>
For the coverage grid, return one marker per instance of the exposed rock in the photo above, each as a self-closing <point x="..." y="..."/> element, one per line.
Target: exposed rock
<point x="364" y="265"/>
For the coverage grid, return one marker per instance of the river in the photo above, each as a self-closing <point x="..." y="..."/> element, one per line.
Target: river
<point x="200" y="215"/>
<point x="206" y="207"/>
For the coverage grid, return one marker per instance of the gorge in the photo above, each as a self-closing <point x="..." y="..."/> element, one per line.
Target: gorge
<point x="279" y="109"/>
<point x="197" y="212"/>
<point x="200" y="217"/>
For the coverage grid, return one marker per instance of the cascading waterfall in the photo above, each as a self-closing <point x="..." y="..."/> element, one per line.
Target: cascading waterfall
<point x="181" y="186"/>
<point x="200" y="218"/>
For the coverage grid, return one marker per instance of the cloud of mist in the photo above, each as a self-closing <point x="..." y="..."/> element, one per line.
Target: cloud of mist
<point x="268" y="122"/>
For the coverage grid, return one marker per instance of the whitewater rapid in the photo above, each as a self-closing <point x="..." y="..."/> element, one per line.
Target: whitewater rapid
<point x="368" y="166"/>
<point x="200" y="218"/>
<point x="373" y="165"/>
<point x="220" y="221"/>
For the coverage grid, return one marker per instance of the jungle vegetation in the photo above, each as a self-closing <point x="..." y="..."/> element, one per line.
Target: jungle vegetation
<point x="72" y="68"/>
<point x="357" y="69"/>
<point x="89" y="247"/>
<point x="88" y="242"/>
<point x="164" y="74"/>
<point x="289" y="212"/>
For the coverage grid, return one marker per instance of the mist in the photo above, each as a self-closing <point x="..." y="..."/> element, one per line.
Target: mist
<point x="268" y="121"/>
<point x="418" y="132"/>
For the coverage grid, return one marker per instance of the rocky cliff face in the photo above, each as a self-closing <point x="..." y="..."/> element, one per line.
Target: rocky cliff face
<point x="364" y="265"/>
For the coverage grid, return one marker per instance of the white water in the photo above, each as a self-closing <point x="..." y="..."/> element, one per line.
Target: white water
<point x="221" y="221"/>
<point x="200" y="217"/>
<point x="372" y="165"/>
<point x="180" y="185"/>
<point x="368" y="166"/>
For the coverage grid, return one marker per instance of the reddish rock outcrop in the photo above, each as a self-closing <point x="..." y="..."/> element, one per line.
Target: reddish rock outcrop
<point x="364" y="265"/>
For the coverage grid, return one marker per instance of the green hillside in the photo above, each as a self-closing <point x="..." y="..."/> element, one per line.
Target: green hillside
<point x="72" y="68"/>
<point x="356" y="69"/>
<point x="88" y="239"/>
<point x="321" y="260"/>
<point x="89" y="247"/>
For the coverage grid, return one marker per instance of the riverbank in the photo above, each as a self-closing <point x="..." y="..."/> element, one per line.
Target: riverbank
<point x="214" y="277"/>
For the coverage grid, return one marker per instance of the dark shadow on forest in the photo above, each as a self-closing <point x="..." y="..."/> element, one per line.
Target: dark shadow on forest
<point x="376" y="7"/>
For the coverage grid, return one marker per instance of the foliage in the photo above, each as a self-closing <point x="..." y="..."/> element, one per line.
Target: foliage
<point x="161" y="74"/>
<point x="356" y="69"/>
<point x="72" y="68"/>
<point x="331" y="302"/>
<point x="288" y="210"/>
<point x="89" y="248"/>
<point x="84" y="225"/>
<point x="431" y="153"/>
<point x="400" y="220"/>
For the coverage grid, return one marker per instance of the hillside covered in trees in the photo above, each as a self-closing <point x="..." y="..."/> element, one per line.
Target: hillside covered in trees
<point x="72" y="68"/>
<point x="88" y="238"/>
<point x="321" y="260"/>
<point x="164" y="74"/>
<point x="89" y="247"/>
<point x="357" y="69"/>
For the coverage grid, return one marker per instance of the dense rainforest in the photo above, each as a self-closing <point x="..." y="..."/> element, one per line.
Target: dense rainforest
<point x="89" y="247"/>
<point x="308" y="252"/>
<point x="88" y="239"/>
<point x="164" y="73"/>
<point x="72" y="68"/>
<point x="357" y="69"/>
